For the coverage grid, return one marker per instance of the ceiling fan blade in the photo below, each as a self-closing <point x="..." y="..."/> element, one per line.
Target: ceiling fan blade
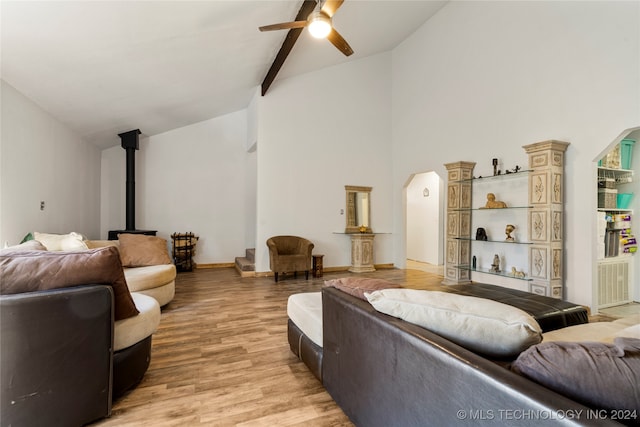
<point x="330" y="6"/>
<point x="284" y="26"/>
<point x="338" y="41"/>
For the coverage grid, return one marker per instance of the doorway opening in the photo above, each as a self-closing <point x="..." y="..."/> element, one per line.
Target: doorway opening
<point x="424" y="222"/>
<point x="616" y="292"/>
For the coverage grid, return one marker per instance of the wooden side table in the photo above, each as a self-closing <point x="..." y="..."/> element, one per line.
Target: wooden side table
<point x="317" y="265"/>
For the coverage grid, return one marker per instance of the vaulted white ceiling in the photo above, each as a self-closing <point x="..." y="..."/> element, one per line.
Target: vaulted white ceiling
<point x="105" y="67"/>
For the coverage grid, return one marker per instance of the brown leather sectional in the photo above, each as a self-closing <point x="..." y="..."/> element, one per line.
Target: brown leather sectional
<point x="383" y="371"/>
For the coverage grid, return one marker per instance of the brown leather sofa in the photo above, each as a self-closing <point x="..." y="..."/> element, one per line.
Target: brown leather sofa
<point x="58" y="366"/>
<point x="57" y="357"/>
<point x="72" y="336"/>
<point x="383" y="371"/>
<point x="289" y="254"/>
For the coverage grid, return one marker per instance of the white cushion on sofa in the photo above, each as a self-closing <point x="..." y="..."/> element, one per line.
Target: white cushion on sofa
<point x="127" y="332"/>
<point x="149" y="277"/>
<point x="482" y="325"/>
<point x="157" y="281"/>
<point x="61" y="242"/>
<point x="604" y="332"/>
<point x="305" y="310"/>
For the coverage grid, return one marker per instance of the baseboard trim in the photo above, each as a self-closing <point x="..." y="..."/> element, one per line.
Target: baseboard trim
<point x="325" y="270"/>
<point x="244" y="274"/>
<point x="347" y="267"/>
<point x="384" y="266"/>
<point x="216" y="265"/>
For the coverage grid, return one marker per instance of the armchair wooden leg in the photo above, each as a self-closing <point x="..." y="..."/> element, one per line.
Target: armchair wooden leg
<point x="306" y="274"/>
<point x="295" y="274"/>
<point x="276" y="276"/>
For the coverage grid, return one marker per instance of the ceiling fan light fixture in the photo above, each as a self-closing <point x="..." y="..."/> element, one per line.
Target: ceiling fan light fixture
<point x="319" y="25"/>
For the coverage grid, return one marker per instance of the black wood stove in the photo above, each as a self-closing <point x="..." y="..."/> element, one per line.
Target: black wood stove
<point x="129" y="141"/>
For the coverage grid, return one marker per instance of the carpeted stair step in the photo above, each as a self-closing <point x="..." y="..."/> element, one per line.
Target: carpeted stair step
<point x="247" y="262"/>
<point x="243" y="264"/>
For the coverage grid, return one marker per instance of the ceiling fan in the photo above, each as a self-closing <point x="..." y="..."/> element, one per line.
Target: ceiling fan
<point x="319" y="24"/>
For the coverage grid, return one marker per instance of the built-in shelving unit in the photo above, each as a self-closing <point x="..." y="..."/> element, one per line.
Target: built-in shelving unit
<point x="538" y="249"/>
<point x="614" y="228"/>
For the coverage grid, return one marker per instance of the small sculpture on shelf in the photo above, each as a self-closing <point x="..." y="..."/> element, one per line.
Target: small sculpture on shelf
<point x="517" y="274"/>
<point x="508" y="230"/>
<point x="514" y="170"/>
<point x="495" y="167"/>
<point x="492" y="203"/>
<point x="495" y="267"/>
<point x="481" y="234"/>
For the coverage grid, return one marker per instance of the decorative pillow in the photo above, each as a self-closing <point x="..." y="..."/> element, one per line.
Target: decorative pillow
<point x="605" y="376"/>
<point x="43" y="270"/>
<point x="61" y="242"/>
<point x="357" y="286"/>
<point x="481" y="325"/>
<point x="28" y="245"/>
<point x="26" y="238"/>
<point x="95" y="244"/>
<point x="139" y="250"/>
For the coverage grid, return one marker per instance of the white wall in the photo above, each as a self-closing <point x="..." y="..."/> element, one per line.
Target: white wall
<point x="43" y="160"/>
<point x="317" y="133"/>
<point x="424" y="221"/>
<point x="251" y="179"/>
<point x="187" y="179"/>
<point x="481" y="79"/>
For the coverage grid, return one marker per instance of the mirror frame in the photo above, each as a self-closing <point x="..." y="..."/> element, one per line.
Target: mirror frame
<point x="351" y="191"/>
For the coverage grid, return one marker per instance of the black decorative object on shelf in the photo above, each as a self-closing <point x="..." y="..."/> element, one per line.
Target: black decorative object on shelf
<point x="481" y="234"/>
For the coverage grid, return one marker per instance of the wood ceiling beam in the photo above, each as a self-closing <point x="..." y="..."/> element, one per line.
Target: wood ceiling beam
<point x="293" y="34"/>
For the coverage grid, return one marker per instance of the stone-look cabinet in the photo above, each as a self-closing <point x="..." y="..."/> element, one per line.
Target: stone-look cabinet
<point x="362" y="253"/>
<point x="544" y="219"/>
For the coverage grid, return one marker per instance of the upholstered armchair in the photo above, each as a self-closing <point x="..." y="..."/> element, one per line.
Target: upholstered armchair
<point x="289" y="253"/>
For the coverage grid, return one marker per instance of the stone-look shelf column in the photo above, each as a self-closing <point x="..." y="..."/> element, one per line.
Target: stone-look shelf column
<point x="458" y="252"/>
<point x="545" y="222"/>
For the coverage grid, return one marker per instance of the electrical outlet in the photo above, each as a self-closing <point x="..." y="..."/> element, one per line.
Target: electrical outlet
<point x="42" y="205"/>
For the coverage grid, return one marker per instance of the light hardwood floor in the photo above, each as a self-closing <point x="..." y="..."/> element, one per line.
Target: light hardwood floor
<point x="220" y="356"/>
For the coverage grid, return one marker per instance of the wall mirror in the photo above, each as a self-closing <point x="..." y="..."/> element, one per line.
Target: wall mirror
<point x="358" y="209"/>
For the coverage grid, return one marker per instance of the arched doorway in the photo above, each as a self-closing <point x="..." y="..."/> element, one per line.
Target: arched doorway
<point x="424" y="219"/>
